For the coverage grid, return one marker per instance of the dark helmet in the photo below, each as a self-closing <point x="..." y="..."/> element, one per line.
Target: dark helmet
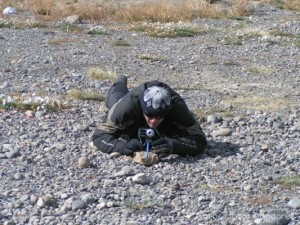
<point x="156" y="101"/>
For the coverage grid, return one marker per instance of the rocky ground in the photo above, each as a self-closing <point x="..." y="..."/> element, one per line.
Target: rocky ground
<point x="237" y="71"/>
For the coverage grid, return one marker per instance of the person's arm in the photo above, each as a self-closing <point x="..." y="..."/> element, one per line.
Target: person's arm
<point x="120" y="119"/>
<point x="191" y="141"/>
<point x="106" y="140"/>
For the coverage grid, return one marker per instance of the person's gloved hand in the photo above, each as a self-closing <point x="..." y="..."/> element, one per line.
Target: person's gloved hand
<point x="162" y="147"/>
<point x="132" y="146"/>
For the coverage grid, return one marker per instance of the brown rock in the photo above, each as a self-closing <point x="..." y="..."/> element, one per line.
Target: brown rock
<point x="83" y="162"/>
<point x="140" y="157"/>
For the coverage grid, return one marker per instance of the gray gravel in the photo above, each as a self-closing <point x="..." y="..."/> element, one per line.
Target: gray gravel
<point x="51" y="175"/>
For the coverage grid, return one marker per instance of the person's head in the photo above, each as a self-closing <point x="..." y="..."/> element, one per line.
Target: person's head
<point x="156" y="104"/>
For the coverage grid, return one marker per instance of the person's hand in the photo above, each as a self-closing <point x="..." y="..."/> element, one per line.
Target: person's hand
<point x="162" y="147"/>
<point x="132" y="146"/>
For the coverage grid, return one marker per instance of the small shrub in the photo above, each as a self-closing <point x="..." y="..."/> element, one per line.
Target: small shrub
<point x="285" y="4"/>
<point x="150" y="57"/>
<point x="168" y="30"/>
<point x="59" y="41"/>
<point x="6" y="24"/>
<point x="261" y="70"/>
<point x="288" y="182"/>
<point x="19" y="103"/>
<point x="120" y="43"/>
<point x="259" y="200"/>
<point x="85" y="94"/>
<point x="98" y="32"/>
<point x="268" y="103"/>
<point x="68" y="27"/>
<point x="137" y="206"/>
<point x="100" y="74"/>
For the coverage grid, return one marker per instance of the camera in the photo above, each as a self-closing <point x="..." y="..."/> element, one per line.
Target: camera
<point x="146" y="133"/>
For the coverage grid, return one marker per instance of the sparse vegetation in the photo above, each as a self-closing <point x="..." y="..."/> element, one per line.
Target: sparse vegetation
<point x="120" y="43"/>
<point x="259" y="200"/>
<point x="224" y="113"/>
<point x="100" y="74"/>
<point x="98" y="32"/>
<point x="267" y="103"/>
<point x="20" y="104"/>
<point x="168" y="30"/>
<point x="20" y="24"/>
<point x="150" y="57"/>
<point x="85" y="94"/>
<point x="261" y="70"/>
<point x="285" y="4"/>
<point x="164" y="11"/>
<point x="290" y="181"/>
<point x="59" y="41"/>
<point x="68" y="27"/>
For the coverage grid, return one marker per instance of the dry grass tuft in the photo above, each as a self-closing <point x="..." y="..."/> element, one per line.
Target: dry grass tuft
<point x="259" y="200"/>
<point x="100" y="74"/>
<point x="285" y="4"/>
<point x="85" y="94"/>
<point x="289" y="182"/>
<point x="59" y="41"/>
<point x="168" y="30"/>
<point x="154" y="11"/>
<point x="270" y="103"/>
<point x="261" y="70"/>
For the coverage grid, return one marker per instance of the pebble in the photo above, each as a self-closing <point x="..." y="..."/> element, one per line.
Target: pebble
<point x="12" y="154"/>
<point x="294" y="203"/>
<point x="140" y="178"/>
<point x="222" y="132"/>
<point x="78" y="204"/>
<point x="276" y="217"/>
<point x="83" y="162"/>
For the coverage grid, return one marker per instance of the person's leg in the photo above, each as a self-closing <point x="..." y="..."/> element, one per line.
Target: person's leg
<point x="117" y="91"/>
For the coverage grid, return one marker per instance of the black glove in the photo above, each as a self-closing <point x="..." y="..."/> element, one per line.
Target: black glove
<point x="162" y="147"/>
<point x="132" y="146"/>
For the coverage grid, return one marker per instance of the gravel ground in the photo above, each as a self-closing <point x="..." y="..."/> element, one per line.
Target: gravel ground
<point x="51" y="175"/>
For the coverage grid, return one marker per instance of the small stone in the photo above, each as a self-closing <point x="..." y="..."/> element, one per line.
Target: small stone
<point x="83" y="162"/>
<point x="29" y="113"/>
<point x="12" y="154"/>
<point x="40" y="114"/>
<point x="126" y="171"/>
<point x="175" y="187"/>
<point x="41" y="203"/>
<point x="78" y="204"/>
<point x="276" y="217"/>
<point x="9" y="223"/>
<point x="140" y="178"/>
<point x="222" y="132"/>
<point x="101" y="205"/>
<point x="294" y="203"/>
<point x="248" y="188"/>
<point x="212" y="119"/>
<point x="82" y="127"/>
<point x="73" y="19"/>
<point x="264" y="147"/>
<point x="18" y="176"/>
<point x="59" y="147"/>
<point x="110" y="204"/>
<point x="64" y="196"/>
<point x="9" y="11"/>
<point x="88" y="198"/>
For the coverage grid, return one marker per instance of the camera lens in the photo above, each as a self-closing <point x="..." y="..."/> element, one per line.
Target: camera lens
<point x="150" y="133"/>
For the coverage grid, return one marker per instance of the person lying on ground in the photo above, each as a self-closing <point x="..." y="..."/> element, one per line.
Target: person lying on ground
<point x="152" y="105"/>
